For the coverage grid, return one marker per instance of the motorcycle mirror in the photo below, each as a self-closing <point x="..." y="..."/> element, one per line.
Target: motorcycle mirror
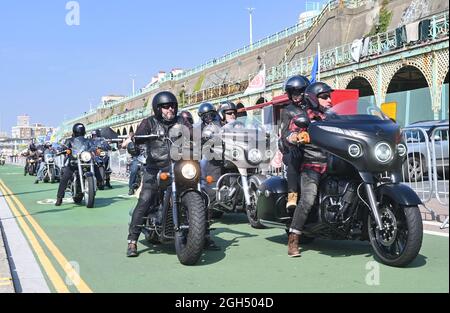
<point x="301" y="121"/>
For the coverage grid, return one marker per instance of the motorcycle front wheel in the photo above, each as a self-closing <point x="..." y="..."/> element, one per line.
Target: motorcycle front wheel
<point x="190" y="240"/>
<point x="399" y="243"/>
<point x="89" y="191"/>
<point x="251" y="209"/>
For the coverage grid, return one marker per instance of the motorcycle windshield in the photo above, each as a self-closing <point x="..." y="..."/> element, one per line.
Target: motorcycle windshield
<point x="356" y="110"/>
<point x="361" y="134"/>
<point x="80" y="144"/>
<point x="249" y="140"/>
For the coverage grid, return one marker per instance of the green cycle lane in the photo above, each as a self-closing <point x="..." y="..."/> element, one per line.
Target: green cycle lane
<point x="251" y="260"/>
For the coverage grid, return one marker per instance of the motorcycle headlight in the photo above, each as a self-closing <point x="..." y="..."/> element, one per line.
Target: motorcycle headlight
<point x="401" y="149"/>
<point x="354" y="150"/>
<point x="383" y="152"/>
<point x="50" y="160"/>
<point x="255" y="156"/>
<point x="189" y="171"/>
<point x="86" y="156"/>
<point x="102" y="154"/>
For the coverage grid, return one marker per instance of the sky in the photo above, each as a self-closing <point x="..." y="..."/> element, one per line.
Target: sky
<point x="51" y="70"/>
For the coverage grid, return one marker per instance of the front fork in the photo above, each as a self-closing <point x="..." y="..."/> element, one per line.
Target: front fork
<point x="373" y="205"/>
<point x="245" y="186"/>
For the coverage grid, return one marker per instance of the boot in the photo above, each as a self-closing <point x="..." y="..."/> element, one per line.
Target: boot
<point x="58" y="202"/>
<point x="292" y="201"/>
<point x="132" y="250"/>
<point x="108" y="184"/>
<point x="293" y="245"/>
<point x="131" y="192"/>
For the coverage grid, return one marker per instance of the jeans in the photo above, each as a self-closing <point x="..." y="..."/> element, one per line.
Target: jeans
<point x="309" y="186"/>
<point x="40" y="172"/>
<point x="134" y="168"/>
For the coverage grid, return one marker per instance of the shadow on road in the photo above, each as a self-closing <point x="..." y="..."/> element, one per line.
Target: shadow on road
<point x="208" y="256"/>
<point x="342" y="248"/>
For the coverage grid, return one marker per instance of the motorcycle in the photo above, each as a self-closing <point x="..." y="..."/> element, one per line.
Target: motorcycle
<point x="31" y="166"/>
<point x="101" y="161"/>
<point x="51" y="170"/>
<point x="83" y="183"/>
<point x="244" y="144"/>
<point x="360" y="196"/>
<point x="180" y="212"/>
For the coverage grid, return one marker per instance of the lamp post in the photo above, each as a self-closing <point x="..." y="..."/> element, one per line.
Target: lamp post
<point x="250" y="11"/>
<point x="132" y="76"/>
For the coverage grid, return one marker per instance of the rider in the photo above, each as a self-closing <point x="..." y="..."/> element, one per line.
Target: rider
<point x="78" y="131"/>
<point x="134" y="163"/>
<point x="100" y="143"/>
<point x="294" y="87"/>
<point x="165" y="107"/>
<point x="40" y="173"/>
<point x="314" y="164"/>
<point x="31" y="154"/>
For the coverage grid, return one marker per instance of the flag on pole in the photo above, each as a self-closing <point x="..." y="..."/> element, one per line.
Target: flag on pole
<point x="315" y="69"/>
<point x="315" y="72"/>
<point x="258" y="83"/>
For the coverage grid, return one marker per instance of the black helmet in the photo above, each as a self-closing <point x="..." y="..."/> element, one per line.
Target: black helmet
<point x="226" y="106"/>
<point x="78" y="130"/>
<point x="161" y="98"/>
<point x="313" y="91"/>
<point x="187" y="117"/>
<point x="32" y="146"/>
<point x="207" y="112"/>
<point x="296" y="85"/>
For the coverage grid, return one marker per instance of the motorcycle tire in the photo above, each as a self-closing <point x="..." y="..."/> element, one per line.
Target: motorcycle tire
<point x="409" y="231"/>
<point x="251" y="210"/>
<point x="52" y="176"/>
<point x="189" y="242"/>
<point x="89" y="191"/>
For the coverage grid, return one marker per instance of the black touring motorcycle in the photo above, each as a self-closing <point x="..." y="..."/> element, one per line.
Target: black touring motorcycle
<point x="180" y="212"/>
<point x="360" y="196"/>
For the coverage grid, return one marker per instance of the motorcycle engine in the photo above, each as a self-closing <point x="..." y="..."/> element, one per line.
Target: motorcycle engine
<point x="336" y="199"/>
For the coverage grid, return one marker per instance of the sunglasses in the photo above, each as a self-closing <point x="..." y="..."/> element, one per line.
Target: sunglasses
<point x="324" y="96"/>
<point x="230" y="113"/>
<point x="168" y="106"/>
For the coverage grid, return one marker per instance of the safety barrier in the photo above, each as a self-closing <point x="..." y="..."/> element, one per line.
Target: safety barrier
<point x="427" y="164"/>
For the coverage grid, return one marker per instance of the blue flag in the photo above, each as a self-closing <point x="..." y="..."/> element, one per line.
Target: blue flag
<point x="315" y="69"/>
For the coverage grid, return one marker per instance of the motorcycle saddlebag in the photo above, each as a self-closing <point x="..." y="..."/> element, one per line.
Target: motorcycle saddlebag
<point x="271" y="204"/>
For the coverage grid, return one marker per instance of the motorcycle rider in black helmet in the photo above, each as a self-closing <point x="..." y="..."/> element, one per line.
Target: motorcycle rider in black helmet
<point x="210" y="165"/>
<point x="78" y="131"/>
<point x="294" y="87"/>
<point x="99" y="142"/>
<point x="314" y="163"/>
<point x="165" y="109"/>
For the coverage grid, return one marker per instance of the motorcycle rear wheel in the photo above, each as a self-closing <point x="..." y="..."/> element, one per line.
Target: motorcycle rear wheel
<point x="401" y="239"/>
<point x="189" y="242"/>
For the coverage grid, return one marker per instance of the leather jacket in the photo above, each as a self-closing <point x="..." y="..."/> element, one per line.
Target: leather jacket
<point x="287" y="114"/>
<point x="158" y="151"/>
